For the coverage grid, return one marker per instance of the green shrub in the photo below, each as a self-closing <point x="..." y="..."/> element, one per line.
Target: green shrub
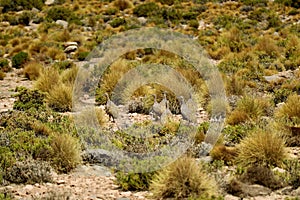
<point x="29" y="172"/>
<point x="27" y="99"/>
<point x="58" y="13"/>
<point x="262" y="147"/>
<point x="146" y="9"/>
<point x="292" y="174"/>
<point x="255" y="2"/>
<point x="184" y="178"/>
<point x="4" y="65"/>
<point x="25" y="18"/>
<point x="82" y="55"/>
<point x="292" y="3"/>
<point x="134" y="181"/>
<point x="66" y="152"/>
<point x="63" y="65"/>
<point x="15" y="5"/>
<point x="168" y="2"/>
<point x="194" y="23"/>
<point x="19" y="59"/>
<point x="117" y="22"/>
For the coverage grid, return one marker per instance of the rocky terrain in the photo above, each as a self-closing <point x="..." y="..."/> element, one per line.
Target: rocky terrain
<point x="254" y="43"/>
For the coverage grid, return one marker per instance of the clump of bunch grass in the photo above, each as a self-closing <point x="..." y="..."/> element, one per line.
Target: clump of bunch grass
<point x="291" y="109"/>
<point x="48" y="79"/>
<point x="66" y="151"/>
<point x="262" y="147"/>
<point x="32" y="70"/>
<point x="184" y="178"/>
<point x="60" y="98"/>
<point x="221" y="152"/>
<point x="288" y="120"/>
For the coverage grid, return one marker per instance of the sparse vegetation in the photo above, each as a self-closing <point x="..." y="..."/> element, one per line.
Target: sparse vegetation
<point x="254" y="43"/>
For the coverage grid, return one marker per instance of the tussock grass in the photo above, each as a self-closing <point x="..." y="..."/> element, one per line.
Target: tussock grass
<point x="262" y="147"/>
<point x="48" y="79"/>
<point x="184" y="178"/>
<point x="60" y="98"/>
<point x="32" y="70"/>
<point x="66" y="151"/>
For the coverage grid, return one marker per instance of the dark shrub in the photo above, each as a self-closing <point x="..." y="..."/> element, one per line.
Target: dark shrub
<point x="146" y="9"/>
<point x="19" y="59"/>
<point x="4" y="65"/>
<point x="117" y="22"/>
<point x="29" y="171"/>
<point x="58" y="12"/>
<point x="27" y="99"/>
<point x="15" y="5"/>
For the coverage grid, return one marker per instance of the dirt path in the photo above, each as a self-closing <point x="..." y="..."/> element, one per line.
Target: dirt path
<point x="87" y="182"/>
<point x="8" y="86"/>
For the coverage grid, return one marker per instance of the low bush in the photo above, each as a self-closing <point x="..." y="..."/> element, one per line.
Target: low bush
<point x="29" y="172"/>
<point x="146" y="9"/>
<point x="66" y="152"/>
<point x="292" y="174"/>
<point x="16" y="5"/>
<point x="19" y="59"/>
<point x="116" y="22"/>
<point x="27" y="99"/>
<point x="58" y="13"/>
<point x="262" y="147"/>
<point x="134" y="181"/>
<point x="4" y="65"/>
<point x="184" y="178"/>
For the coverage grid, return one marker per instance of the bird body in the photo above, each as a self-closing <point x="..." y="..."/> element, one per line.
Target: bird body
<point x="187" y="110"/>
<point x="156" y="109"/>
<point x="166" y="114"/>
<point x="111" y="108"/>
<point x="163" y="103"/>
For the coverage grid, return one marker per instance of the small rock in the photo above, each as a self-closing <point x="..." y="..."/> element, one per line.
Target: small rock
<point x="142" y="20"/>
<point x="280" y="170"/>
<point x="49" y="2"/>
<point x="5" y="24"/>
<point x="62" y="23"/>
<point x="296" y="192"/>
<point x="60" y="182"/>
<point x="70" y="44"/>
<point x="231" y="197"/>
<point x="35" y="10"/>
<point x="28" y="187"/>
<point x="125" y="194"/>
<point x="70" y="49"/>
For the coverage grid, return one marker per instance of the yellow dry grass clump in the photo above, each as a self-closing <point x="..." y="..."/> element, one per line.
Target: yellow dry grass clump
<point x="184" y="178"/>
